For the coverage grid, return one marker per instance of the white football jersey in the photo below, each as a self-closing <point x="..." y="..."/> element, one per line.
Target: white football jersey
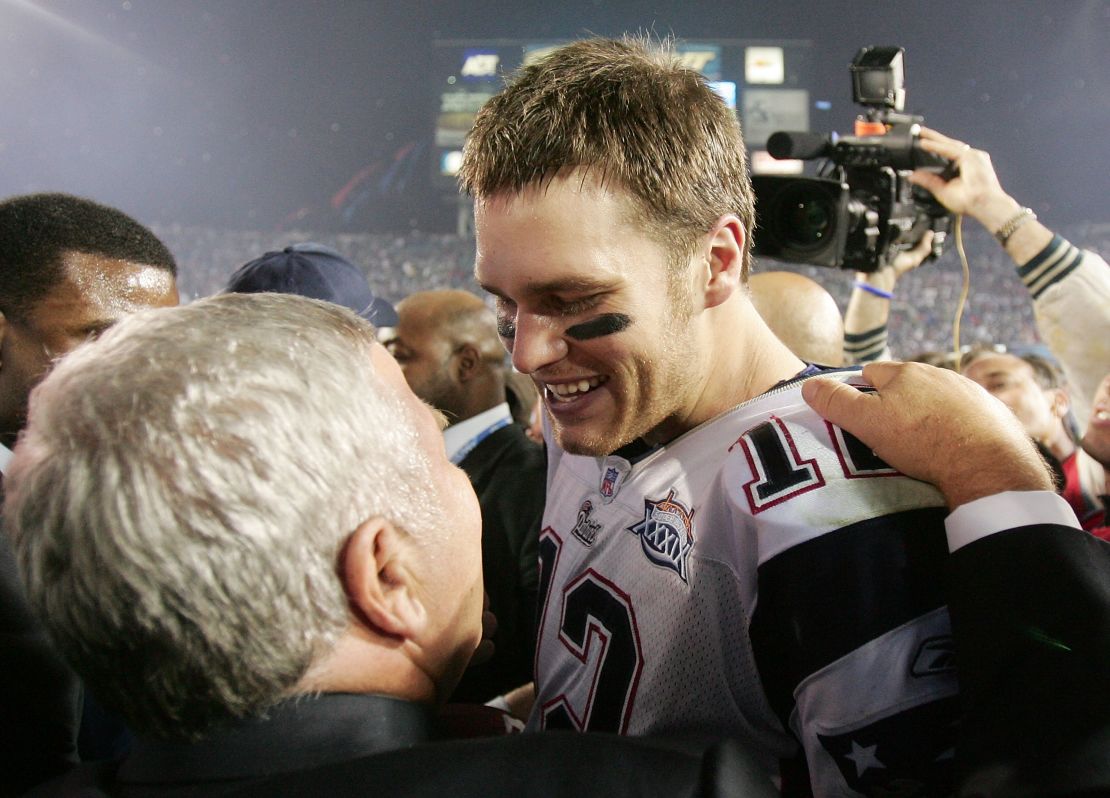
<point x="763" y="576"/>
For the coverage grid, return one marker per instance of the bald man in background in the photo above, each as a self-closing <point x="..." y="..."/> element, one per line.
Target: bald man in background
<point x="447" y="346"/>
<point x="802" y="314"/>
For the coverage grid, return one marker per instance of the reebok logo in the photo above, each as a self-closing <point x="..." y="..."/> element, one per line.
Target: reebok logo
<point x="935" y="655"/>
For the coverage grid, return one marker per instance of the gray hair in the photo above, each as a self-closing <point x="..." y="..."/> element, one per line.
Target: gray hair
<point x="181" y="493"/>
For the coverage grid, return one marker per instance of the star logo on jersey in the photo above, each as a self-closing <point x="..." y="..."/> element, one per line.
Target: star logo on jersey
<point x="863" y="758"/>
<point x="907" y="753"/>
<point x="666" y="533"/>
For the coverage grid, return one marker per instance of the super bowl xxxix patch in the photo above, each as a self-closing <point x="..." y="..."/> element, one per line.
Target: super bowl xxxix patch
<point x="666" y="533"/>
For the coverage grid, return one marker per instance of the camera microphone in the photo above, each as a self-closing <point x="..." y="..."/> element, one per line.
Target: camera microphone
<point x="798" y="144"/>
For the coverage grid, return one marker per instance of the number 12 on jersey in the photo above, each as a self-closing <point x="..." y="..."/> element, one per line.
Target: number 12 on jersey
<point x="597" y="627"/>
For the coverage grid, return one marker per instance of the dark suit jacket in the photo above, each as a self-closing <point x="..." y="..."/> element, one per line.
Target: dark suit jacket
<point x="1030" y="612"/>
<point x="339" y="745"/>
<point x="509" y="474"/>
<point x="40" y="697"/>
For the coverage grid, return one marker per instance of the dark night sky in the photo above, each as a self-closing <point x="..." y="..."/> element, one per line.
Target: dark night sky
<point x="239" y="112"/>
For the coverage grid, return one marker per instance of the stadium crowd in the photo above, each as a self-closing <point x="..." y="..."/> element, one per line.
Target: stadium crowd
<point x="400" y="264"/>
<point x="273" y="524"/>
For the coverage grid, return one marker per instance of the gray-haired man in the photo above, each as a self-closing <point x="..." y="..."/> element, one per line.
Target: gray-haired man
<point x="242" y="529"/>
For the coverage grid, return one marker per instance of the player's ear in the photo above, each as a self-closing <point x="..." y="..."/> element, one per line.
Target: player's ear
<point x="467" y="360"/>
<point x="724" y="260"/>
<point x="1060" y="402"/>
<point x="380" y="583"/>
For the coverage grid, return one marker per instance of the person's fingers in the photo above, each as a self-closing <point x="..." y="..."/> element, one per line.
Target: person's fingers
<point x="930" y="181"/>
<point x="833" y="400"/>
<point x="489" y="624"/>
<point x="952" y="150"/>
<point x="910" y="259"/>
<point x="881" y="372"/>
<point x="486" y="647"/>
<point x="930" y="136"/>
<point x="923" y="246"/>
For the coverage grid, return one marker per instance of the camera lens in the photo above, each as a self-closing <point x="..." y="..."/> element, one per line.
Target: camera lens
<point x="804" y="219"/>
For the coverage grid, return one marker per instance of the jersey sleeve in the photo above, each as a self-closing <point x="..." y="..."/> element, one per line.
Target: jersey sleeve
<point x="850" y="630"/>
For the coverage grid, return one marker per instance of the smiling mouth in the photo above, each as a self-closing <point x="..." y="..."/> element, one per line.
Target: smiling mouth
<point x="564" y="392"/>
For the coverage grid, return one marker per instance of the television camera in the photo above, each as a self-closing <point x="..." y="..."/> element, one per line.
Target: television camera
<point x="861" y="210"/>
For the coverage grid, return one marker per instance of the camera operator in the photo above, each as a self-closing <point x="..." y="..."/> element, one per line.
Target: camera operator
<point x="1070" y="288"/>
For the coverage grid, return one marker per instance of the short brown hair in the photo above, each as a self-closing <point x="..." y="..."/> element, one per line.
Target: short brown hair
<point x="1046" y="373"/>
<point x="629" y="110"/>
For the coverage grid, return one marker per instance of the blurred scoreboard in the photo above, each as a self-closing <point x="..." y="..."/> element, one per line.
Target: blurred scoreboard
<point x="765" y="83"/>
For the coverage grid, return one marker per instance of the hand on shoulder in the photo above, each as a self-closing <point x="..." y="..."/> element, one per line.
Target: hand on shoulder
<point x="937" y="426"/>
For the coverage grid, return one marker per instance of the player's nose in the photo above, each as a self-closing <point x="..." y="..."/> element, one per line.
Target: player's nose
<point x="537" y="343"/>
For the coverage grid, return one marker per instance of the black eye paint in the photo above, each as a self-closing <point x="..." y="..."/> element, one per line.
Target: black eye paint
<point x="605" y="324"/>
<point x="506" y="328"/>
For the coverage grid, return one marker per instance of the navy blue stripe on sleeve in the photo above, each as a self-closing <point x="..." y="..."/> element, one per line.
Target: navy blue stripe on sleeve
<point x="1050" y="253"/>
<point x="826" y="597"/>
<point x="1054" y="276"/>
<point x="865" y="346"/>
<point x="1049" y="266"/>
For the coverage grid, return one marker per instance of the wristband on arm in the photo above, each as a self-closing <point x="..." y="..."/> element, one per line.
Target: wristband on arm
<point x="873" y="290"/>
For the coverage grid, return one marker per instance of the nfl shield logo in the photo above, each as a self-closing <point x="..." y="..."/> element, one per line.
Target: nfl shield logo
<point x="609" y="482"/>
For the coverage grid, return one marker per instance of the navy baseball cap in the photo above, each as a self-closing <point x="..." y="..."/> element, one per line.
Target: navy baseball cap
<point x="314" y="271"/>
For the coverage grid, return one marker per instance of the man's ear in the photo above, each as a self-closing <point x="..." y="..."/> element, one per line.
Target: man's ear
<point x="1061" y="403"/>
<point x="725" y="260"/>
<point x="379" y="581"/>
<point x="467" y="361"/>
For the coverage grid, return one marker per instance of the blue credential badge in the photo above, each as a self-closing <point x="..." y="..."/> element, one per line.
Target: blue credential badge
<point x="666" y="533"/>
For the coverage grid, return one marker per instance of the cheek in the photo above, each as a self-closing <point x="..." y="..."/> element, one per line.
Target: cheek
<point x="31" y="360"/>
<point x="468" y="501"/>
<point x="461" y="506"/>
<point x="1015" y="401"/>
<point x="1031" y="413"/>
<point x="419" y="377"/>
<point x="1006" y="396"/>
<point x="410" y="372"/>
<point x="614" y="351"/>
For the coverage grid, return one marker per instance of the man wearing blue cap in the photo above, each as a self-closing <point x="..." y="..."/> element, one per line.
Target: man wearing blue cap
<point x="317" y="272"/>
